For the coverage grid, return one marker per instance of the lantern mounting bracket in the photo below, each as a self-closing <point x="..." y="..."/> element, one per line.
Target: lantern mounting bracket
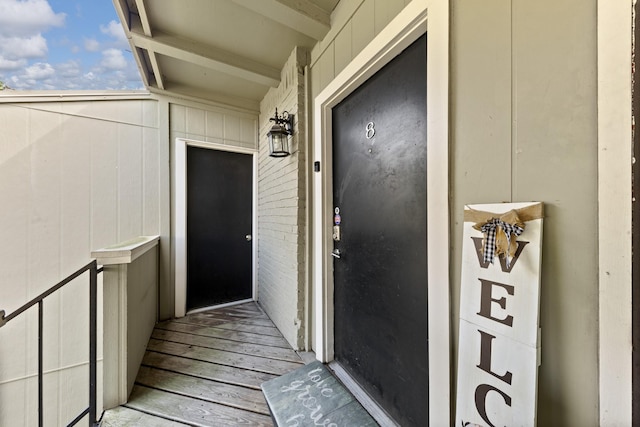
<point x="285" y="119"/>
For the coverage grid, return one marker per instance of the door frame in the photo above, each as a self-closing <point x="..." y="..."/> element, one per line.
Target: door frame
<point x="404" y="29"/>
<point x="180" y="231"/>
<point x="615" y="160"/>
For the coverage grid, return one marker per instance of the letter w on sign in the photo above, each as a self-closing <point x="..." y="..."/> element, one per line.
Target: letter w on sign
<point x="499" y="335"/>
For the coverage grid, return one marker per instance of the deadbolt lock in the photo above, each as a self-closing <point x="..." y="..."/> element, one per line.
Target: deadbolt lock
<point x="336" y="233"/>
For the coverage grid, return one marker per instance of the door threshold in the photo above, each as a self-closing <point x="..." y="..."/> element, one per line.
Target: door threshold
<point x="213" y="307"/>
<point x="372" y="407"/>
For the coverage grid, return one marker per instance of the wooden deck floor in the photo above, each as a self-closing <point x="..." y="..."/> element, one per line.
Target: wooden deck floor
<point x="205" y="369"/>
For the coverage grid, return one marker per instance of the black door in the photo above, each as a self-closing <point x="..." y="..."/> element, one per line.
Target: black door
<point x="219" y="212"/>
<point x="379" y="161"/>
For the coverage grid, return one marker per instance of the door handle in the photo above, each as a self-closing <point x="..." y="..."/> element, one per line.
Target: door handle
<point x="336" y="253"/>
<point x="248" y="237"/>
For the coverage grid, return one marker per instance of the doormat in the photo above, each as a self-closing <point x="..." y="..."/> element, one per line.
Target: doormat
<point x="312" y="396"/>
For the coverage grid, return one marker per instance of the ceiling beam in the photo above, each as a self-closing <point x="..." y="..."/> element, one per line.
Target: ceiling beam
<point x="300" y="15"/>
<point x="215" y="59"/>
<point x="142" y="21"/>
<point x="176" y="90"/>
<point x="129" y="20"/>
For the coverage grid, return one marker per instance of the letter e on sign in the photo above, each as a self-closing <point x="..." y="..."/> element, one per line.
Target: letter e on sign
<point x="486" y="301"/>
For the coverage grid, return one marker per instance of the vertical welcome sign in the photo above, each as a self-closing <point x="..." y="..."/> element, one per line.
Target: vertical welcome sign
<point x="499" y="339"/>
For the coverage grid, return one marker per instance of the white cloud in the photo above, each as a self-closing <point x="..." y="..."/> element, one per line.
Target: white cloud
<point x="11" y="65"/>
<point x="21" y="26"/>
<point x="91" y="45"/>
<point x="26" y="63"/>
<point x="115" y="31"/>
<point x="28" y="17"/>
<point x="113" y="59"/>
<point x="23" y="47"/>
<point x="39" y="71"/>
<point x="69" y="69"/>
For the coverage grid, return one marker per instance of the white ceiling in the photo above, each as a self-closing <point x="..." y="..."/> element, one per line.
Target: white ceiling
<point x="229" y="51"/>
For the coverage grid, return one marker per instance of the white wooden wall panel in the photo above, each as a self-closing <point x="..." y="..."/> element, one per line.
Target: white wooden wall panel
<point x="195" y="121"/>
<point x="72" y="178"/>
<point x="44" y="202"/>
<point x="231" y="128"/>
<point x="248" y="132"/>
<point x="104" y="176"/>
<point x="555" y="157"/>
<point x="524" y="128"/>
<point x="213" y="124"/>
<point x="354" y="24"/>
<point x="326" y="66"/>
<point x="14" y="123"/>
<point x="75" y="242"/>
<point x="15" y="170"/>
<point x="481" y="118"/>
<point x="342" y="49"/>
<point x="152" y="170"/>
<point x="385" y="11"/>
<point x="362" y="27"/>
<point x="129" y="140"/>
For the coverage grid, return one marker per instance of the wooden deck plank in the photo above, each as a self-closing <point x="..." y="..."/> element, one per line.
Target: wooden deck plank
<point x="193" y="411"/>
<point x="227" y="345"/>
<point x="127" y="417"/>
<point x="240" y="312"/>
<point x="260" y="364"/>
<point x="231" y="326"/>
<point x="229" y="317"/>
<point x="243" y="310"/>
<point x="249" y="307"/>
<point x="199" y="329"/>
<point x="207" y="370"/>
<point x="199" y="388"/>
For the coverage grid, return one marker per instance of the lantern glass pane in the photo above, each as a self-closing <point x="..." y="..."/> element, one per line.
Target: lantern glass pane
<point x="278" y="143"/>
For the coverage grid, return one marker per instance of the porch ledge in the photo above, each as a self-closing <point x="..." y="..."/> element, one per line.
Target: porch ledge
<point x="125" y="252"/>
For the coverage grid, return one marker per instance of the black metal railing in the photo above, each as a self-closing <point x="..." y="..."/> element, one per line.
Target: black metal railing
<point x="92" y="267"/>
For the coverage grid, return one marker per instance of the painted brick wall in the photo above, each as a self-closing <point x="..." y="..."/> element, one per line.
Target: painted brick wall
<point x="281" y="208"/>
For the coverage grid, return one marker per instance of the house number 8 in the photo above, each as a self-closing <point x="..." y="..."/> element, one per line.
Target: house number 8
<point x="370" y="130"/>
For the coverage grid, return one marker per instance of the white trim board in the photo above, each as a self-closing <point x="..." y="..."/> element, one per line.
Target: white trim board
<point x="180" y="157"/>
<point x="614" y="211"/>
<point x="408" y="26"/>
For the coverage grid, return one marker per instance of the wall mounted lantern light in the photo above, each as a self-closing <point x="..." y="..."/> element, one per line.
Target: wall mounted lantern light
<point x="279" y="134"/>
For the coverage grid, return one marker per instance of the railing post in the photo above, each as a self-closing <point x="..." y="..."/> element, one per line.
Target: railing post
<point x="129" y="298"/>
<point x="93" y="340"/>
<point x="40" y="367"/>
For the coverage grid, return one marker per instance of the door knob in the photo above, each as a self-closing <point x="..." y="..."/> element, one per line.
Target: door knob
<point x="248" y="237"/>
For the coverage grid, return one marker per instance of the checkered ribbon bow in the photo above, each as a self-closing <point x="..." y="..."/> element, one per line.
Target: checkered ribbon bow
<point x="490" y="229"/>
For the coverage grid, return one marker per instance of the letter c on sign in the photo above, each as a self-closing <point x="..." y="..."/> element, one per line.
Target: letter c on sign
<point x="481" y="400"/>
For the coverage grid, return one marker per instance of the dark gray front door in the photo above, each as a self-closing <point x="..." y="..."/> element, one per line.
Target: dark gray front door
<point x="379" y="163"/>
<point x="219" y="219"/>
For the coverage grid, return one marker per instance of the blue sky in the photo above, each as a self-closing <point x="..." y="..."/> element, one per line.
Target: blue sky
<point x="64" y="45"/>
